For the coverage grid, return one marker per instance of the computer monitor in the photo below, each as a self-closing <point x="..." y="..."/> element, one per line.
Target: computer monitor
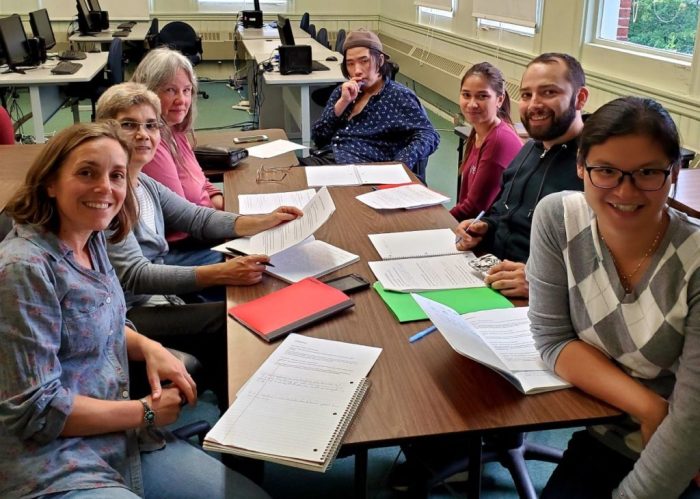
<point x="94" y="5"/>
<point x="41" y="27"/>
<point x="13" y="41"/>
<point x="284" y="28"/>
<point x="86" y="23"/>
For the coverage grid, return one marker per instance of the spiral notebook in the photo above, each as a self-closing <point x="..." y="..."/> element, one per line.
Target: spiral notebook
<point x="415" y="244"/>
<point x="298" y="405"/>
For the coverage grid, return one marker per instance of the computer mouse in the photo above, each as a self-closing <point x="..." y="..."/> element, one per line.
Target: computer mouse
<point x="331" y="58"/>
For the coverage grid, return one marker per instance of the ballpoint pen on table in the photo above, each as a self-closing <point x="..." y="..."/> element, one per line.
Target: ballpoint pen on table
<point x="478" y="217"/>
<point x="234" y="251"/>
<point x="420" y="334"/>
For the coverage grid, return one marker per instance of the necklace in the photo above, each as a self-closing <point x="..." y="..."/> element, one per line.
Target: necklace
<point x="626" y="279"/>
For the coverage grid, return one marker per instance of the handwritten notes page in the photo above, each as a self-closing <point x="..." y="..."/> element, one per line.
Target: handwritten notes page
<point x="500" y="339"/>
<point x="355" y="175"/>
<point x="291" y="408"/>
<point x="427" y="274"/>
<point x="405" y="196"/>
<point x="258" y="204"/>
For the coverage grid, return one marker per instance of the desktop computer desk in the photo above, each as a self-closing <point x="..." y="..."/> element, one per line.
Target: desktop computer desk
<point x="137" y="34"/>
<point x="44" y="95"/>
<point x="290" y="92"/>
<point x="268" y="31"/>
<point x="418" y="390"/>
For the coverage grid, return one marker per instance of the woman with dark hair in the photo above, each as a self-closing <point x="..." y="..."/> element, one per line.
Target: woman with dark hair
<point x="492" y="143"/>
<point x="614" y="279"/>
<point x="68" y="424"/>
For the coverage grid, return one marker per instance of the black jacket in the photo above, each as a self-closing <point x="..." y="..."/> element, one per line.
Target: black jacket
<point x="531" y="175"/>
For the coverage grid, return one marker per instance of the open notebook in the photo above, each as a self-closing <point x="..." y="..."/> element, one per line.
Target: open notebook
<point x="298" y="405"/>
<point x="499" y="339"/>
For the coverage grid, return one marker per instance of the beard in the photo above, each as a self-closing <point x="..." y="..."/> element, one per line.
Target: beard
<point x="560" y="124"/>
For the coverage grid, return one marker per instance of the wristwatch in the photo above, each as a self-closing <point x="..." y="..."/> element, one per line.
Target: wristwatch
<point x="149" y="415"/>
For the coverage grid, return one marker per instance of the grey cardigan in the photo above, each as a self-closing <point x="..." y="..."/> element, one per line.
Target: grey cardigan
<point x="138" y="259"/>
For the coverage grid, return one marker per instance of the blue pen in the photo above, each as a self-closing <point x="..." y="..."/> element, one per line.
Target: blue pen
<point x="478" y="217"/>
<point x="420" y="334"/>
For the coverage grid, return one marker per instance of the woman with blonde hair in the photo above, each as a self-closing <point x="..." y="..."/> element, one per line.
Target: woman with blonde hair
<point x="171" y="76"/>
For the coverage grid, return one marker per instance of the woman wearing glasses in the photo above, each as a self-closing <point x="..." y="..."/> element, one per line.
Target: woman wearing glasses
<point x="170" y="75"/>
<point x="615" y="307"/>
<point x="149" y="283"/>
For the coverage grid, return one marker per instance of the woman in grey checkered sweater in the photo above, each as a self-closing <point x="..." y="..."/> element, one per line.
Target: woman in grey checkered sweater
<point x="614" y="277"/>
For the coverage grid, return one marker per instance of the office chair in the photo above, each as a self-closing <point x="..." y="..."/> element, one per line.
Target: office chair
<point x="152" y="34"/>
<point x="509" y="449"/>
<point x="339" y="41"/>
<point x="182" y="37"/>
<point x="322" y="37"/>
<point x="312" y="31"/>
<point x="304" y="22"/>
<point x="92" y="90"/>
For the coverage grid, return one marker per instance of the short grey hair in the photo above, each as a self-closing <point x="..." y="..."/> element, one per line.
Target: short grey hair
<point x="119" y="98"/>
<point x="158" y="68"/>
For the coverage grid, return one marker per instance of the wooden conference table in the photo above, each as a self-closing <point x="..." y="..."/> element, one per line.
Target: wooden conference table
<point x="417" y="390"/>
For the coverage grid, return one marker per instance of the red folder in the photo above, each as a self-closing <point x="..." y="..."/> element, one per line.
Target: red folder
<point x="290" y="309"/>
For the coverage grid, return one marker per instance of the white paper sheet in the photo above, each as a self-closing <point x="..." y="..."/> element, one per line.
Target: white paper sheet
<point x="258" y="204"/>
<point x="406" y="196"/>
<point x="427" y="274"/>
<point x="274" y="148"/>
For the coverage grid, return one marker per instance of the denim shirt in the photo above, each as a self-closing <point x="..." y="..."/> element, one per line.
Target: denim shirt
<point x="392" y="127"/>
<point x="61" y="334"/>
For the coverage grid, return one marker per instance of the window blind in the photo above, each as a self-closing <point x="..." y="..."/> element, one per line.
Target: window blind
<point x="522" y="12"/>
<point x="435" y="4"/>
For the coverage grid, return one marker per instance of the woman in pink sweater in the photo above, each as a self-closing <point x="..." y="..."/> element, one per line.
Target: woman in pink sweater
<point x="492" y="144"/>
<point x="170" y="75"/>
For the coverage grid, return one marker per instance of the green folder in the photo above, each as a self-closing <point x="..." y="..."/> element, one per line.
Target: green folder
<point x="405" y="308"/>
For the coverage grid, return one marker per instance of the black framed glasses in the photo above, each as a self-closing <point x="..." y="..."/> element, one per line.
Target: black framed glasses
<point x="151" y="127"/>
<point x="644" y="179"/>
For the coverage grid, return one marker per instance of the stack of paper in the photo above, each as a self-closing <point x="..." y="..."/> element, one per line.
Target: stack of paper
<point x="426" y="274"/>
<point x="405" y="196"/>
<point x="415" y="243"/>
<point x="272" y="149"/>
<point x="356" y="175"/>
<point x="277" y="239"/>
<point x="298" y="405"/>
<point x="499" y="339"/>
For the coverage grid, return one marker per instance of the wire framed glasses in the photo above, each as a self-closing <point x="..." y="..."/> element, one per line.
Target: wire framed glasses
<point x="274" y="174"/>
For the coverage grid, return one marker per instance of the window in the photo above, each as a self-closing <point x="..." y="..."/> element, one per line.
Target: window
<point x="444" y="8"/>
<point x="659" y="25"/>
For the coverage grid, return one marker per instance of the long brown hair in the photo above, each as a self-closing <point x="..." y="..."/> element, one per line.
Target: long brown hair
<point x="494" y="79"/>
<point x="32" y="204"/>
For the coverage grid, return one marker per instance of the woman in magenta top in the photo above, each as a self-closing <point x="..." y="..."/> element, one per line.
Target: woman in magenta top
<point x="170" y="75"/>
<point x="492" y="144"/>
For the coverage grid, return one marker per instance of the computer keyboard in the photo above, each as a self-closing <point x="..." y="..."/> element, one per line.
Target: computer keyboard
<point x="66" y="68"/>
<point x="317" y="66"/>
<point x="121" y="34"/>
<point x="128" y="24"/>
<point x="72" y="55"/>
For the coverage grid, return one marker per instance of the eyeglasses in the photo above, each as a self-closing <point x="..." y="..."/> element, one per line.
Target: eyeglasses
<point x="644" y="179"/>
<point x="278" y="174"/>
<point x="151" y="127"/>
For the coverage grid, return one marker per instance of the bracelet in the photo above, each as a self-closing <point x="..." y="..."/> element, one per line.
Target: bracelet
<point x="149" y="415"/>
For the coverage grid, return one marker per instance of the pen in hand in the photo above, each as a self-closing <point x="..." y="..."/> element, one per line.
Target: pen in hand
<point x="478" y="217"/>
<point x="421" y="334"/>
<point x="235" y="252"/>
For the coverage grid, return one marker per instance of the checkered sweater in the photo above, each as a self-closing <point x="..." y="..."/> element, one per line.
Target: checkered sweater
<point x="653" y="333"/>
